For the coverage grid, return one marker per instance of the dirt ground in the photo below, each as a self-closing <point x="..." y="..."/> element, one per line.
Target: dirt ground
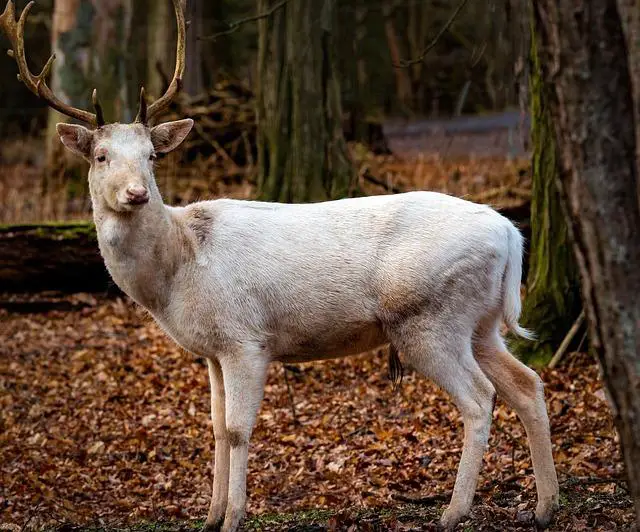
<point x="104" y="425"/>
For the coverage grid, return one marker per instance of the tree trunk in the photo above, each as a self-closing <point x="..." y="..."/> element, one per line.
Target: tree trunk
<point x="630" y="14"/>
<point x="302" y="153"/>
<point x="585" y="57"/>
<point x="110" y="63"/>
<point x="90" y="39"/>
<point x="354" y="73"/>
<point x="159" y="46"/>
<point x="193" y="81"/>
<point x="552" y="303"/>
<point x="71" y="42"/>
<point x="403" y="81"/>
<point x="417" y="40"/>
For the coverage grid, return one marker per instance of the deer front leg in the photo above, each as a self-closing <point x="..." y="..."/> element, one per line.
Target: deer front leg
<point x="244" y="378"/>
<point x="218" y="505"/>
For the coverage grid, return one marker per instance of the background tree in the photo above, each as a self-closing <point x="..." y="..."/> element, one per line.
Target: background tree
<point x="194" y="80"/>
<point x="351" y="62"/>
<point x="160" y="38"/>
<point x="630" y="15"/>
<point x="71" y="42"/>
<point x="585" y="63"/>
<point x="301" y="148"/>
<point x="401" y="75"/>
<point x="110" y="66"/>
<point x="90" y="40"/>
<point x="553" y="300"/>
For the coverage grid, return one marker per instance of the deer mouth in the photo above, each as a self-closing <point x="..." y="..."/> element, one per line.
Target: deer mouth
<point x="138" y="200"/>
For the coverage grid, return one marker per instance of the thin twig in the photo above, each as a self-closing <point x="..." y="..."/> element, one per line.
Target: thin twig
<point x="474" y="62"/>
<point x="235" y="25"/>
<point x="31" y="515"/>
<point x="406" y="63"/>
<point x="368" y="176"/>
<point x="567" y="340"/>
<point x="220" y="151"/>
<point x="490" y="194"/>
<point x="584" y="337"/>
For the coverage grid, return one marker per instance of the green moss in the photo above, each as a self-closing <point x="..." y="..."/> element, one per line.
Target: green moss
<point x="553" y="301"/>
<point x="57" y="230"/>
<point x="301" y="519"/>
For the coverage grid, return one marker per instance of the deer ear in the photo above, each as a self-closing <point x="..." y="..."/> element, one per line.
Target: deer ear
<point x="167" y="137"/>
<point x="78" y="139"/>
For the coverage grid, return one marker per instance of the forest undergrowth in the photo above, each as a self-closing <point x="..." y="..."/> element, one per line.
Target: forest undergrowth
<point x="104" y="423"/>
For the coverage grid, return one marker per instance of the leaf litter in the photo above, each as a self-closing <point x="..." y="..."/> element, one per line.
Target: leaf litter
<point x="104" y="422"/>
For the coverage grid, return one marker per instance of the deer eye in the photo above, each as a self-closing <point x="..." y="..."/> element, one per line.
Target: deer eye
<point x="101" y="158"/>
<point x="153" y="157"/>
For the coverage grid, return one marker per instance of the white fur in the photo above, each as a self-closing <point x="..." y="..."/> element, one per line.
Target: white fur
<point x="244" y="283"/>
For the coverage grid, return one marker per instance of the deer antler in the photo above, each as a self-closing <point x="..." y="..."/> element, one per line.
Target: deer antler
<point x="145" y="113"/>
<point x="37" y="84"/>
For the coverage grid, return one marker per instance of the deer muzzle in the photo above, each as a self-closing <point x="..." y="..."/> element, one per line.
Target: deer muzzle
<point x="136" y="195"/>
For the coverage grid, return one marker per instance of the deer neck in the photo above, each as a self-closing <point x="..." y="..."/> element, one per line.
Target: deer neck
<point x="140" y="249"/>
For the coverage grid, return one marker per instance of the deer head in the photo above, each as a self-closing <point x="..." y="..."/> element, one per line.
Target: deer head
<point x="120" y="155"/>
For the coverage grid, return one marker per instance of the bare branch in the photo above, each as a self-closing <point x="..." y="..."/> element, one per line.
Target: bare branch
<point x="421" y="57"/>
<point x="235" y="25"/>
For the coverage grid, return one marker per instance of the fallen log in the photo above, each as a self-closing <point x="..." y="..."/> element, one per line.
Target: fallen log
<point x="54" y="256"/>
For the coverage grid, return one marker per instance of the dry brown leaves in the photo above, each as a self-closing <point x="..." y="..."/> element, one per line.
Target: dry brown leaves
<point x="104" y="420"/>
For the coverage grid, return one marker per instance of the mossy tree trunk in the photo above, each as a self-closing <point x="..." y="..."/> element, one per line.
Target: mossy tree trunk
<point x="552" y="302"/>
<point x="588" y="65"/>
<point x="302" y="153"/>
<point x="71" y="42"/>
<point x="90" y="40"/>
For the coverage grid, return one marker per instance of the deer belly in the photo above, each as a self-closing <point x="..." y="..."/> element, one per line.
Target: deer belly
<point x="340" y="342"/>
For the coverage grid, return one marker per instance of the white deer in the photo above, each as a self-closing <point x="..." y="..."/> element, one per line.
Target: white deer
<point x="245" y="283"/>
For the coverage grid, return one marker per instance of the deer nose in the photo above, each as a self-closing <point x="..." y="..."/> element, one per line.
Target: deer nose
<point x="137" y="195"/>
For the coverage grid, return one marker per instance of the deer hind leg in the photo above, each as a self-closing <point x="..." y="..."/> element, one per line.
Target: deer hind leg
<point x="445" y="356"/>
<point x="523" y="391"/>
<point x="244" y="378"/>
<point x="218" y="504"/>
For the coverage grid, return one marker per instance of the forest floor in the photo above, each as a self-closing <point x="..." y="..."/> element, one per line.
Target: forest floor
<point x="104" y="425"/>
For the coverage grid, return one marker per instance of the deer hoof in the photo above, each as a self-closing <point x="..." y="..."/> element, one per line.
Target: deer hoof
<point x="545" y="510"/>
<point x="213" y="527"/>
<point x="449" y="520"/>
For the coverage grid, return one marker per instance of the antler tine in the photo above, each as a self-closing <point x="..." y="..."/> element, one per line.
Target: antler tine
<point x="96" y="105"/>
<point x="142" y="108"/>
<point x="176" y="83"/>
<point x="36" y="84"/>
